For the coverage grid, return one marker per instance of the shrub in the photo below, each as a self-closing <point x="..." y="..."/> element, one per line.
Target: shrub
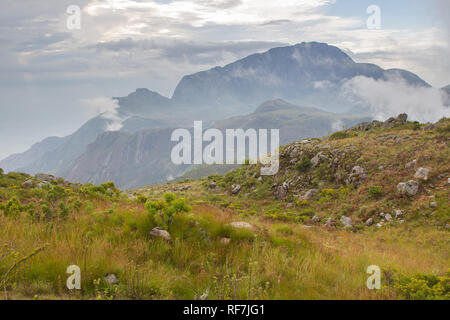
<point x="12" y="208"/>
<point x="375" y="192"/>
<point x="424" y="287"/>
<point x="304" y="164"/>
<point x="164" y="211"/>
<point x="339" y="135"/>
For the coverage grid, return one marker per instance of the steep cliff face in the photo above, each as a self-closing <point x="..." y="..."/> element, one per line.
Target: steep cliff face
<point x="130" y="160"/>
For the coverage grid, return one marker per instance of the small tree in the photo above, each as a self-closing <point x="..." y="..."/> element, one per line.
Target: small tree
<point x="1" y="172"/>
<point x="304" y="164"/>
<point x="164" y="211"/>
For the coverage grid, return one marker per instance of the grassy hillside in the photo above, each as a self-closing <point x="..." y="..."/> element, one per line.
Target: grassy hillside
<point x="295" y="243"/>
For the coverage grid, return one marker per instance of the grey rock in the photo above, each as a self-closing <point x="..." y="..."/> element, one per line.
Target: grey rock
<point x="357" y="175"/>
<point x="346" y="221"/>
<point x="45" y="177"/>
<point x="422" y="173"/>
<point x="225" y="241"/>
<point x="433" y="204"/>
<point x="315" y="219"/>
<point x="235" y="189"/>
<point x="212" y="185"/>
<point x="330" y="222"/>
<point x="241" y="225"/>
<point x="411" y="164"/>
<point x="398" y="214"/>
<point x="309" y="194"/>
<point x="369" y="222"/>
<point x="111" y="279"/>
<point x="388" y="217"/>
<point x="402" y="117"/>
<point x="28" y="184"/>
<point x="160" y="233"/>
<point x="282" y="191"/>
<point x="409" y="188"/>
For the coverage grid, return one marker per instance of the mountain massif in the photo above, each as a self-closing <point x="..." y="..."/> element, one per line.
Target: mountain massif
<point x="282" y="79"/>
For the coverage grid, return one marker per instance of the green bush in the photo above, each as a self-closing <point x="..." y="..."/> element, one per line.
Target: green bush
<point x="339" y="135"/>
<point x="12" y="208"/>
<point x="304" y="164"/>
<point x="424" y="287"/>
<point x="375" y="192"/>
<point x="164" y="211"/>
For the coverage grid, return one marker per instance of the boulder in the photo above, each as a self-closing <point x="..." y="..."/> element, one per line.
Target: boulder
<point x="330" y="223"/>
<point x="111" y="279"/>
<point x="433" y="204"/>
<point x="369" y="222"/>
<point x="212" y="185"/>
<point x="160" y="233"/>
<point x="28" y="184"/>
<point x="346" y="221"/>
<point x="398" y="214"/>
<point x="309" y="194"/>
<point x="357" y="175"/>
<point x="235" y="189"/>
<point x="422" y="173"/>
<point x="388" y="217"/>
<point x="409" y="188"/>
<point x="45" y="177"/>
<point x="315" y="219"/>
<point x="411" y="164"/>
<point x="241" y="225"/>
<point x="282" y="191"/>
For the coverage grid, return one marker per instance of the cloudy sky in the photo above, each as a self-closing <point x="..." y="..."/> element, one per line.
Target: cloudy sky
<point x="47" y="70"/>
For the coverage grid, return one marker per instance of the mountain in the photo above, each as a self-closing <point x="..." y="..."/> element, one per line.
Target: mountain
<point x="22" y="160"/>
<point x="134" y="160"/>
<point x="306" y="74"/>
<point x="128" y="159"/>
<point x="294" y="122"/>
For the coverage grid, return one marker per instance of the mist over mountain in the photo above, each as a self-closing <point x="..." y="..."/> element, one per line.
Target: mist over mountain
<point x="129" y="141"/>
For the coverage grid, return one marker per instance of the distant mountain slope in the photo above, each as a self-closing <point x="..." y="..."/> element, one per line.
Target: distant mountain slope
<point x="130" y="160"/>
<point x="306" y="74"/>
<point x="309" y="74"/>
<point x="294" y="122"/>
<point x="143" y="158"/>
<point x="22" y="160"/>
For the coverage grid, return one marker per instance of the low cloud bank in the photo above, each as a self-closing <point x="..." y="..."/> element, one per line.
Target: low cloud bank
<point x="107" y="108"/>
<point x="389" y="98"/>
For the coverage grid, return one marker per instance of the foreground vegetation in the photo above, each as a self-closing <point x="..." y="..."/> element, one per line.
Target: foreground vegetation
<point x="294" y="247"/>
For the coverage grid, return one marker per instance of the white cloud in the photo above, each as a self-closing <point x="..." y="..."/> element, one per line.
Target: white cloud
<point x="389" y="98"/>
<point x="107" y="108"/>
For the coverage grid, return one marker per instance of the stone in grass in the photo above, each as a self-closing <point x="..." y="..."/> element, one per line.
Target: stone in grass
<point x="410" y="188"/>
<point x="235" y="189"/>
<point x="111" y="279"/>
<point x="398" y="214"/>
<point x="160" y="233"/>
<point x="225" y="241"/>
<point x="369" y="222"/>
<point x="241" y="225"/>
<point x="28" y="184"/>
<point x="422" y="173"/>
<point x="315" y="219"/>
<point x="433" y="205"/>
<point x="346" y="221"/>
<point x="388" y="217"/>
